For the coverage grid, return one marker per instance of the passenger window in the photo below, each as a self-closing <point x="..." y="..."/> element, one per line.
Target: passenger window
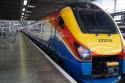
<point x="42" y="27"/>
<point x="47" y="31"/>
<point x="61" y="22"/>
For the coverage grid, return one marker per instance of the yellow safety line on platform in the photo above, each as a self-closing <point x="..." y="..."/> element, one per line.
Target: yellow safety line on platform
<point x="22" y="59"/>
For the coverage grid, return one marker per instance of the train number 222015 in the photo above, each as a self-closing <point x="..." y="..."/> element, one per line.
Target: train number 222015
<point x="105" y="40"/>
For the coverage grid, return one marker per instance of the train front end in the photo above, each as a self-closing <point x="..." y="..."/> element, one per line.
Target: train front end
<point x="97" y="41"/>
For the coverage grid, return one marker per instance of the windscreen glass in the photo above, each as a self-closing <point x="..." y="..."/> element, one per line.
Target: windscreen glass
<point x="94" y="21"/>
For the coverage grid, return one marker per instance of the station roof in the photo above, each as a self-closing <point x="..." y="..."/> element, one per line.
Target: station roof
<point x="34" y="9"/>
<point x="10" y="9"/>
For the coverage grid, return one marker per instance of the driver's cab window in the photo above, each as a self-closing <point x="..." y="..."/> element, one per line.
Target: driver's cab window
<point x="61" y="22"/>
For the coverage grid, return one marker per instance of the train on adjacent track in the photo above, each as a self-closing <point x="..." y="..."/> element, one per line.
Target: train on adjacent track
<point x="85" y="40"/>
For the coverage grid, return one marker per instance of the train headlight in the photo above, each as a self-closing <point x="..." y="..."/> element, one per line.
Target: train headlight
<point x="84" y="53"/>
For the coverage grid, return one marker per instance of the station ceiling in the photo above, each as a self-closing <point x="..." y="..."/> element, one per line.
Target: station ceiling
<point x="35" y="9"/>
<point x="45" y="7"/>
<point x="10" y="9"/>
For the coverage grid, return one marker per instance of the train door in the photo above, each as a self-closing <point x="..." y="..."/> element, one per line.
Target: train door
<point x="59" y="34"/>
<point x="52" y="38"/>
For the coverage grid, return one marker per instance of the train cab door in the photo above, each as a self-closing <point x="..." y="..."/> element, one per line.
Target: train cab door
<point x="54" y="45"/>
<point x="52" y="39"/>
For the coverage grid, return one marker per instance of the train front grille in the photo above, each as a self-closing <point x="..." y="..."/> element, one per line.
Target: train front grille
<point x="105" y="67"/>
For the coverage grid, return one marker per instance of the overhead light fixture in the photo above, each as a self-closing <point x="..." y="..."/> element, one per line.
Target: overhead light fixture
<point x="27" y="15"/>
<point x="25" y="2"/>
<point x="25" y="18"/>
<point x="28" y="12"/>
<point x="23" y="9"/>
<point x="22" y="13"/>
<point x="31" y="6"/>
<point x="22" y="16"/>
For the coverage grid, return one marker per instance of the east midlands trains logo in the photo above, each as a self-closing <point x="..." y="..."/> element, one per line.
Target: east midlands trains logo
<point x="105" y="40"/>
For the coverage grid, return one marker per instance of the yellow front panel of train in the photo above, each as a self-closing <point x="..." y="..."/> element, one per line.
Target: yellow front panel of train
<point x="103" y="44"/>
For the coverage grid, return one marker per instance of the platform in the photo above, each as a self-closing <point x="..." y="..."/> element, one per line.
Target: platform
<point x="22" y="62"/>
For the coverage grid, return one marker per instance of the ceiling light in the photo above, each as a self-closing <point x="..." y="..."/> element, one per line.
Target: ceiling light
<point x="22" y="13"/>
<point x="31" y="6"/>
<point x="23" y="9"/>
<point x="28" y="12"/>
<point x="27" y="15"/>
<point x="25" y="2"/>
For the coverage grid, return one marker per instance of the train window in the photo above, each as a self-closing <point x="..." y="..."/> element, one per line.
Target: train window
<point x="38" y="28"/>
<point x="42" y="25"/>
<point x="94" y="21"/>
<point x="47" y="31"/>
<point x="61" y="22"/>
<point x="52" y="30"/>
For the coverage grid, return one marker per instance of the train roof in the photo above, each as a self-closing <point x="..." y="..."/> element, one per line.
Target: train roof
<point x="83" y="5"/>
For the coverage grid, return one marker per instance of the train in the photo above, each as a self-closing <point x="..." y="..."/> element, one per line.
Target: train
<point x="85" y="40"/>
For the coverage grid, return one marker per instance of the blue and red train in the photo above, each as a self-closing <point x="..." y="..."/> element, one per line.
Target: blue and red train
<point x="85" y="40"/>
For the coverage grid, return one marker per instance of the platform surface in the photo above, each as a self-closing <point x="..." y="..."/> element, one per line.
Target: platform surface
<point x="22" y="62"/>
